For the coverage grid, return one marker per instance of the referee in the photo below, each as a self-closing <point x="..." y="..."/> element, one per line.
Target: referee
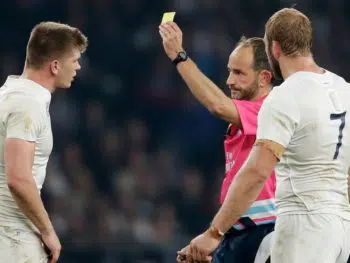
<point x="250" y="81"/>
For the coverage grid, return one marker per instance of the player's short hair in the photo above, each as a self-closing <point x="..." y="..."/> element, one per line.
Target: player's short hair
<point x="260" y="60"/>
<point x="51" y="40"/>
<point x="292" y="30"/>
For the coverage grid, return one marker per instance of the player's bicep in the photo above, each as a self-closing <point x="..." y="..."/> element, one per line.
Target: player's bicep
<point x="273" y="147"/>
<point x="18" y="156"/>
<point x="25" y="124"/>
<point x="23" y="128"/>
<point x="261" y="161"/>
<point x="277" y="122"/>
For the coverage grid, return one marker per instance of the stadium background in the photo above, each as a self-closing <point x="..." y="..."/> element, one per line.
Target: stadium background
<point x="137" y="162"/>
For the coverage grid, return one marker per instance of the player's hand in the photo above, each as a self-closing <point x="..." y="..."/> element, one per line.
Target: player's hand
<point x="172" y="39"/>
<point x="52" y="244"/>
<point x="202" y="246"/>
<point x="181" y="255"/>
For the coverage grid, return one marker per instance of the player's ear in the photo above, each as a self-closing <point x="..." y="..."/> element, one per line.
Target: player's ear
<point x="265" y="78"/>
<point x="54" y="66"/>
<point x="276" y="50"/>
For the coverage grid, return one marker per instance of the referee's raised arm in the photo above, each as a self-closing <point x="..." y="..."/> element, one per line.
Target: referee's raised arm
<point x="207" y="93"/>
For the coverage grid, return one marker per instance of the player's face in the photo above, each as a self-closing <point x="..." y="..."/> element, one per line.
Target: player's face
<point x="242" y="80"/>
<point x="274" y="64"/>
<point x="68" y="67"/>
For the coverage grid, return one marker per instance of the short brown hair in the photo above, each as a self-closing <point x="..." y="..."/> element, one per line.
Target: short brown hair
<point x="50" y="40"/>
<point x="259" y="54"/>
<point x="292" y="30"/>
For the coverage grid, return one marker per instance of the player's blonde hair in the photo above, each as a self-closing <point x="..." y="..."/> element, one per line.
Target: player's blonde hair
<point x="51" y="40"/>
<point x="292" y="30"/>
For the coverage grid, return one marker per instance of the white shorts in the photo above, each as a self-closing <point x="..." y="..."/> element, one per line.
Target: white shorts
<point x="20" y="246"/>
<point x="317" y="238"/>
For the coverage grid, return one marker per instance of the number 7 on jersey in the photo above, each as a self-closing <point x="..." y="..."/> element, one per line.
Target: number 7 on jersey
<point x="341" y="117"/>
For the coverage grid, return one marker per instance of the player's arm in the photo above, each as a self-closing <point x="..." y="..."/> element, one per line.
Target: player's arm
<point x="277" y="121"/>
<point x="246" y="186"/>
<point x="210" y="95"/>
<point x="243" y="191"/>
<point x="19" y="156"/>
<point x="23" y="128"/>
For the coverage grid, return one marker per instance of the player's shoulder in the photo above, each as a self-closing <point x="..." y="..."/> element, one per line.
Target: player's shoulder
<point x="280" y="93"/>
<point x="22" y="101"/>
<point x="30" y="104"/>
<point x="300" y="82"/>
<point x="21" y="104"/>
<point x="23" y="93"/>
<point x="282" y="98"/>
<point x="293" y="83"/>
<point x="340" y="82"/>
<point x="303" y="80"/>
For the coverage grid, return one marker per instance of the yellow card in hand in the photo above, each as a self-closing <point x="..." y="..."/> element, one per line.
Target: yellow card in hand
<point x="169" y="16"/>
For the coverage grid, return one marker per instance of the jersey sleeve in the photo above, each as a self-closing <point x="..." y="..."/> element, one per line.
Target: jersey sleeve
<point x="25" y="123"/>
<point x="278" y="117"/>
<point x="248" y="112"/>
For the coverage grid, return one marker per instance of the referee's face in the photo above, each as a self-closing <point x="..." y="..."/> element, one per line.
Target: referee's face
<point x="69" y="66"/>
<point x="242" y="80"/>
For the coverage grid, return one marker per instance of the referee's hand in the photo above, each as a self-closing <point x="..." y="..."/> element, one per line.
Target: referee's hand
<point x="172" y="39"/>
<point x="184" y="257"/>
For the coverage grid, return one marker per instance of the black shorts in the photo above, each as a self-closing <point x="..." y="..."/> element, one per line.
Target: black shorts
<point x="242" y="246"/>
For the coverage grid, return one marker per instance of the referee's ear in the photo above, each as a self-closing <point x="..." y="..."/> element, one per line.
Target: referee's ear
<point x="264" y="78"/>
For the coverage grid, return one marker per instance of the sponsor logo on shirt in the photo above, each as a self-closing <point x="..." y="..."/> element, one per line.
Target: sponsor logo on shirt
<point x="229" y="161"/>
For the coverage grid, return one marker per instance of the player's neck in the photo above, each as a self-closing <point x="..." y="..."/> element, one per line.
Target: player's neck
<point x="290" y="66"/>
<point x="263" y="92"/>
<point x="40" y="77"/>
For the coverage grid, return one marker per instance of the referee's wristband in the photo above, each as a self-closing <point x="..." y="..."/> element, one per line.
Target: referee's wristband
<point x="181" y="56"/>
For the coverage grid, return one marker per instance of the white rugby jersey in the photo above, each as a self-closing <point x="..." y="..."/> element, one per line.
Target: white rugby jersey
<point x="24" y="114"/>
<point x="309" y="115"/>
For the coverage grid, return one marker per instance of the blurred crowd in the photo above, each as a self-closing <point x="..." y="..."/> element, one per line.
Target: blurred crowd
<point x="138" y="162"/>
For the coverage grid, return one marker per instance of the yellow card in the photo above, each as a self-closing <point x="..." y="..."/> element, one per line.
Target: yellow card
<point x="168" y="16"/>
